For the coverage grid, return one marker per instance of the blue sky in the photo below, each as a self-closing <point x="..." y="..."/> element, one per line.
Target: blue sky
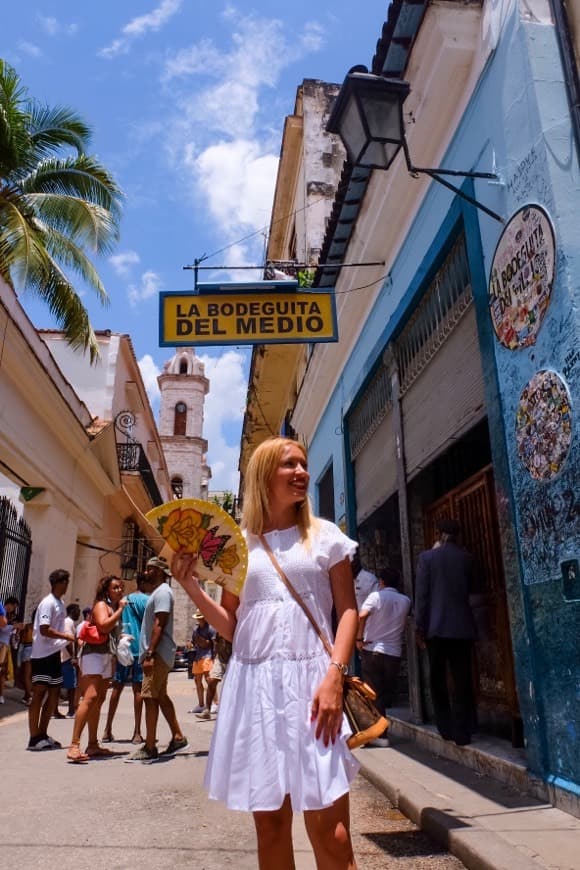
<point x="187" y="100"/>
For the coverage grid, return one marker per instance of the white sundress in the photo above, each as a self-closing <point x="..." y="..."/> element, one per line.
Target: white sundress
<point x="263" y="746"/>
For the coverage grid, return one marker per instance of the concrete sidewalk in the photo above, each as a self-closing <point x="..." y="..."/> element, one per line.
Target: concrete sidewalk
<point x="487" y="824"/>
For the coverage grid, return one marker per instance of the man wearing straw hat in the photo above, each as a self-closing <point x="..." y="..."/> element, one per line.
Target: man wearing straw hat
<point x="157" y="655"/>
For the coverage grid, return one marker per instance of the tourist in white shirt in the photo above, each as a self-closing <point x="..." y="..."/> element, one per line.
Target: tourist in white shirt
<point x="48" y="638"/>
<point x="382" y="621"/>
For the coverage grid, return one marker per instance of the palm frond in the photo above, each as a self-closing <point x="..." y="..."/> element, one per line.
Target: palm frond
<point x="15" y="235"/>
<point x="87" y="224"/>
<point x="64" y="251"/>
<point x="54" y="206"/>
<point x="45" y="279"/>
<point x="14" y="134"/>
<point x="81" y="176"/>
<point x="53" y="128"/>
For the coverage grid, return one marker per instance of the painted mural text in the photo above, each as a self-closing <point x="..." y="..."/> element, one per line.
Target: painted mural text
<point x="548" y="525"/>
<point x="514" y="279"/>
<point x="571" y="360"/>
<point x="520" y="175"/>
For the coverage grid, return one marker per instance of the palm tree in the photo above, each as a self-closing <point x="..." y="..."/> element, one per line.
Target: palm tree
<point x="57" y="205"/>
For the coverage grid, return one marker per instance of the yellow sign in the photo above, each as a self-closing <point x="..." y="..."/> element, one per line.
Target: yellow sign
<point x="247" y="318"/>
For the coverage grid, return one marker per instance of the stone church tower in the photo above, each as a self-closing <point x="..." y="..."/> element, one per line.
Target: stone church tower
<point x="183" y="387"/>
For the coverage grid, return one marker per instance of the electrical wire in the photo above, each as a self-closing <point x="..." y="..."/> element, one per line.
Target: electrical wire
<point x="261" y="230"/>
<point x="305" y="291"/>
<point x="362" y="286"/>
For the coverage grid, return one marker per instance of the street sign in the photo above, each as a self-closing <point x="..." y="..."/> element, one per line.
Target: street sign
<point x="265" y="312"/>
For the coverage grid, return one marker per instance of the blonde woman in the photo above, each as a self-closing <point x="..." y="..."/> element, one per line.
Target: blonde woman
<point x="279" y="745"/>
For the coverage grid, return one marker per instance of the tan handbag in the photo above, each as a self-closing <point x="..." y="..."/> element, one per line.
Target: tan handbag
<point x="366" y="722"/>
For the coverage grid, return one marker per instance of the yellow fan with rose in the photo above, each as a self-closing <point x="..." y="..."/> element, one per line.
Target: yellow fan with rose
<point x="204" y="529"/>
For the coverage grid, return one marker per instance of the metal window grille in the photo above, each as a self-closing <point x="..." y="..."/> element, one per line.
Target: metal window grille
<point x="132" y="458"/>
<point x="370" y="411"/>
<point x="446" y="300"/>
<point x="136" y="550"/>
<point x="15" y="550"/>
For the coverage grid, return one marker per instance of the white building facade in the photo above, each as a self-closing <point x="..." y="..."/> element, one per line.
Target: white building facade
<point x="115" y="395"/>
<point x="82" y="489"/>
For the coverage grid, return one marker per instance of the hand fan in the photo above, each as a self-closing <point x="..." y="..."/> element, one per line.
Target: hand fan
<point x="205" y="529"/>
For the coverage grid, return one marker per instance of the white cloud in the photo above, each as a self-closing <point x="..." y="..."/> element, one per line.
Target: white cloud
<point x="238" y="180"/>
<point x="261" y="48"/>
<point x="49" y="25"/>
<point x="149" y="373"/>
<point x="312" y="36"/>
<point x="196" y="59"/>
<point x="123" y="262"/>
<point x="29" y="48"/>
<point x="54" y="27"/>
<point x="237" y="173"/>
<point x="153" y="20"/>
<point x="139" y="26"/>
<point x="149" y="285"/>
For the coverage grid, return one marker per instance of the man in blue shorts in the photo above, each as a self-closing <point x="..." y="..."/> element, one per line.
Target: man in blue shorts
<point x="157" y="655"/>
<point x="131" y="624"/>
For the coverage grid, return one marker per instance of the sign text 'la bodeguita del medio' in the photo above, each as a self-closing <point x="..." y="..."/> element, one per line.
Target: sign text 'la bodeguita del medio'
<point x="247" y="316"/>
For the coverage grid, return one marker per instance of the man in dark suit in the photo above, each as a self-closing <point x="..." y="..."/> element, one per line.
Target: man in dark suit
<point x="445" y="626"/>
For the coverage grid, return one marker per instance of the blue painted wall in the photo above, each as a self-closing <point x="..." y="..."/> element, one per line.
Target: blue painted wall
<point x="539" y="164"/>
<point x="518" y="117"/>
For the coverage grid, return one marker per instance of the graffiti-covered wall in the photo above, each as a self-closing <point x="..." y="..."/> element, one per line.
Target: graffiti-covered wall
<point x="533" y="274"/>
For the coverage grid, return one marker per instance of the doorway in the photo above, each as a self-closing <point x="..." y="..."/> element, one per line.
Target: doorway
<point x="473" y="504"/>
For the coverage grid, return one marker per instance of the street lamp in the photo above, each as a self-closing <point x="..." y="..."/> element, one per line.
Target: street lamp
<point x="368" y="117"/>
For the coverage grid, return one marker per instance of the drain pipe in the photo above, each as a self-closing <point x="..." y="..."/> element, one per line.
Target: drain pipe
<point x="566" y="45"/>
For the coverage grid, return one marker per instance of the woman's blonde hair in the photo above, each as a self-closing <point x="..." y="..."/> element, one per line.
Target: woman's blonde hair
<point x="263" y="463"/>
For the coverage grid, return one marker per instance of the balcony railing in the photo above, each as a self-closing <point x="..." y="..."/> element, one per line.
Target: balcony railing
<point x="132" y="458"/>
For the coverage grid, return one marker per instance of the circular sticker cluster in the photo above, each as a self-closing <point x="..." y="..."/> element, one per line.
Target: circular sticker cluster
<point x="544" y="425"/>
<point x="522" y="275"/>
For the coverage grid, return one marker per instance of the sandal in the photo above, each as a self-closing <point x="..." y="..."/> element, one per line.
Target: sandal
<point x="99" y="752"/>
<point x="108" y="738"/>
<point x="75" y="756"/>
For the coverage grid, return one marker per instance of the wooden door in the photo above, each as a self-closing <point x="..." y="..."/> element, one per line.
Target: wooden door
<point x="472" y="503"/>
